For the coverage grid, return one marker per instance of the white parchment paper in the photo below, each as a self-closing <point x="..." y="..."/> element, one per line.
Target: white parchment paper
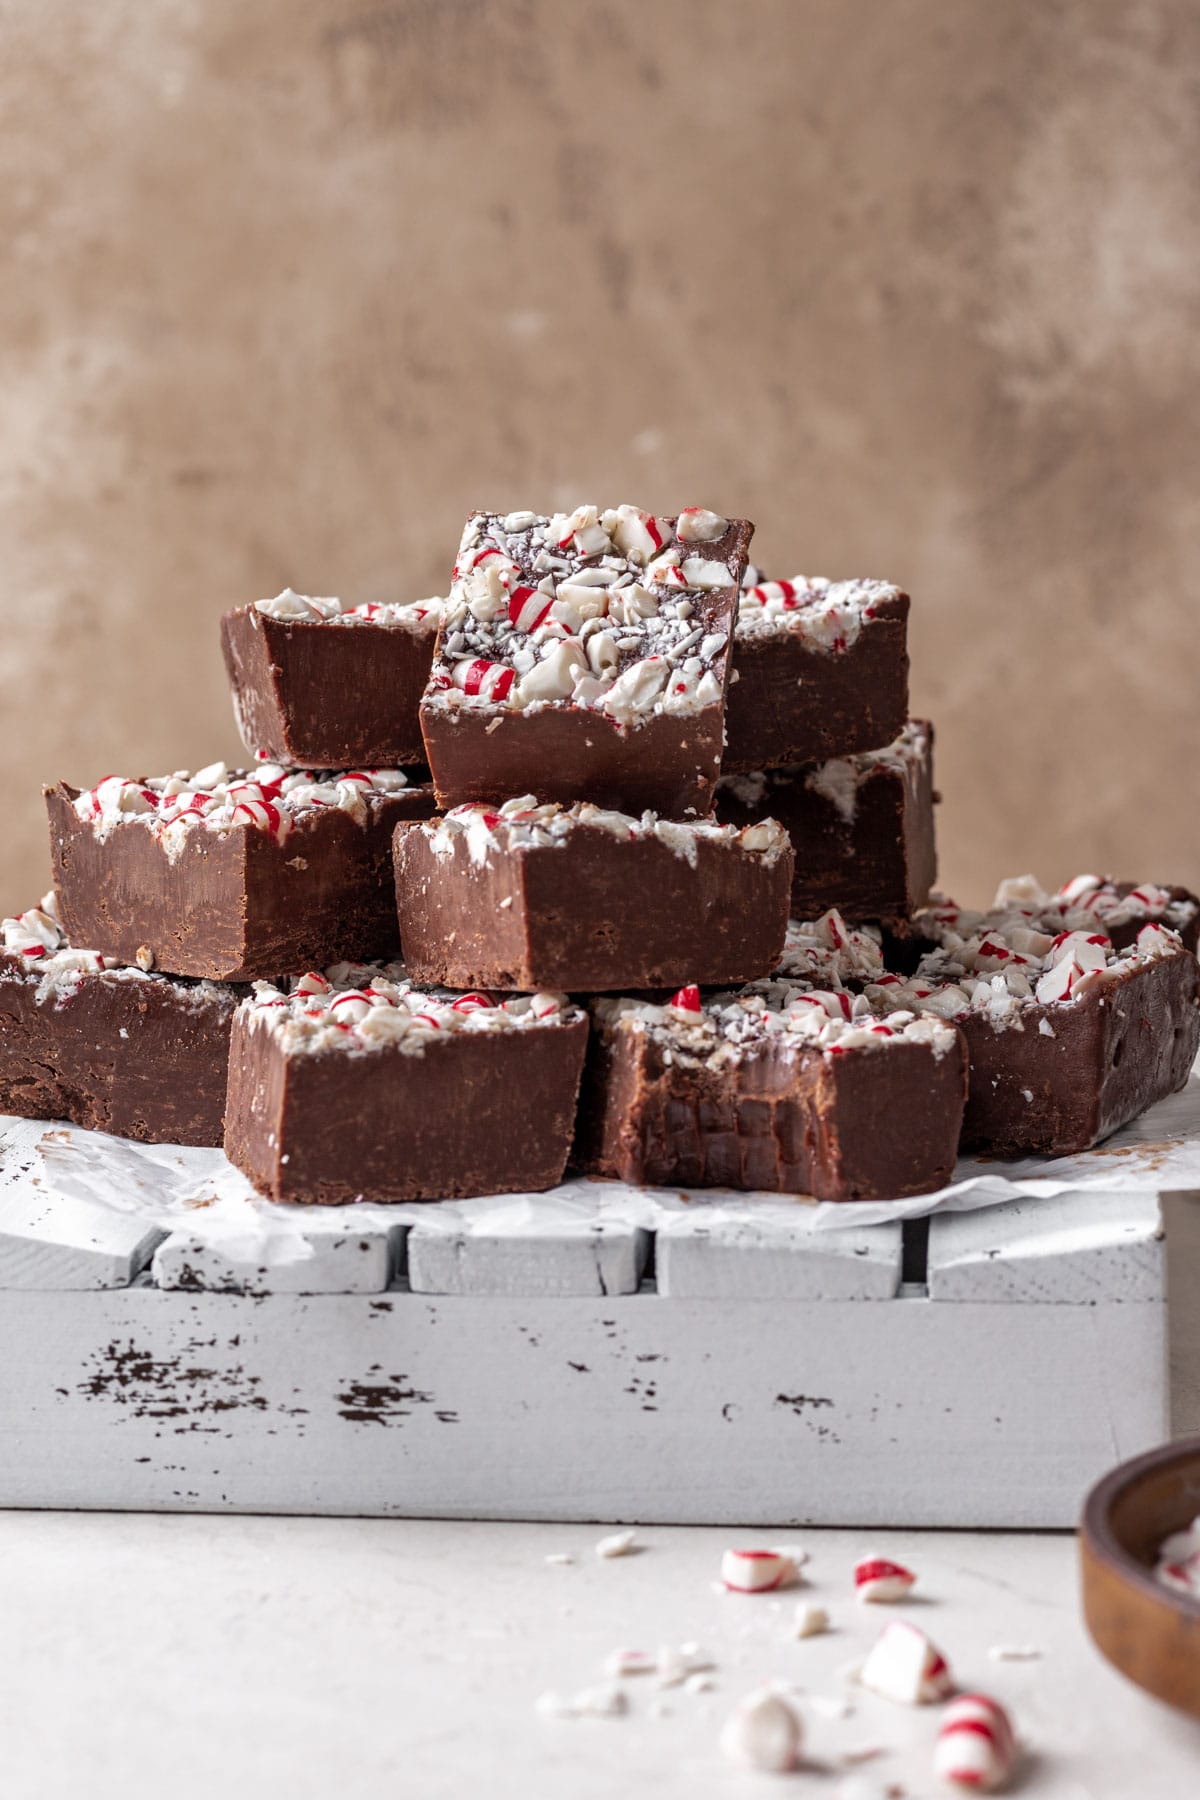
<point x="200" y="1192"/>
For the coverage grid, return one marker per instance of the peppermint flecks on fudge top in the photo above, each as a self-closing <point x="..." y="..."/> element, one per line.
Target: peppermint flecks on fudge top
<point x="623" y="612"/>
<point x="524" y="824"/>
<point x="828" y="615"/>
<point x="1009" y="967"/>
<point x="720" y="1030"/>
<point x="269" y="798"/>
<point x="290" y="607"/>
<point x="370" y="1006"/>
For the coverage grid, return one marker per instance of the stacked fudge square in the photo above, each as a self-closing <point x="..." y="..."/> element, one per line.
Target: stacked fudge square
<point x="620" y="856"/>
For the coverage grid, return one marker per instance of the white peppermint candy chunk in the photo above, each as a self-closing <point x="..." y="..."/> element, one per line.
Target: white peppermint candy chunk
<point x="554" y="676"/>
<point x="519" y="521"/>
<point x="904" y="1666"/>
<point x="703" y="572"/>
<point x="696" y="525"/>
<point x="976" y="1745"/>
<point x="217" y="774"/>
<point x="602" y="653"/>
<point x="756" y="1571"/>
<point x="1153" y="940"/>
<point x="810" y="1620"/>
<point x="1020" y="893"/>
<point x="636" y="690"/>
<point x="290" y="605"/>
<point x="1088" y="950"/>
<point x="878" y="1580"/>
<point x="630" y="1662"/>
<point x="765" y="1733"/>
<point x="620" y="1543"/>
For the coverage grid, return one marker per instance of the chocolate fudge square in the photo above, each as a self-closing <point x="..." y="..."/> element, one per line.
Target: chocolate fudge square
<point x="585" y="657"/>
<point x="820" y="670"/>
<point x="862" y="826"/>
<point x="232" y="875"/>
<point x="781" y="1088"/>
<point x="1069" y="1037"/>
<point x="330" y="686"/>
<point x="110" y="1048"/>
<point x="584" y="899"/>
<point x="359" y="1085"/>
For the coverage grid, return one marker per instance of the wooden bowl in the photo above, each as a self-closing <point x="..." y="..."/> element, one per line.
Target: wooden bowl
<point x="1148" y="1631"/>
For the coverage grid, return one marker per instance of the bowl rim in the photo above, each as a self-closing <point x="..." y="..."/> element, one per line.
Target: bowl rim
<point x="1100" y="1537"/>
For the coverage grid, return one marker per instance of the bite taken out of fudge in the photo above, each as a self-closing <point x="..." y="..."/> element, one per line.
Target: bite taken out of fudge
<point x="330" y="686"/>
<point x="585" y="656"/>
<point x="862" y="826"/>
<point x="1069" y="1037"/>
<point x="546" y="896"/>
<point x="820" y="670"/>
<point x="105" y="1046"/>
<point x="359" y="1085"/>
<point x="228" y="874"/>
<point x="780" y="1087"/>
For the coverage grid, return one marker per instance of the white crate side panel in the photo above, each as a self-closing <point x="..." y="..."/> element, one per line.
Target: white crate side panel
<point x="324" y="1257"/>
<point x="910" y="1412"/>
<point x="605" y="1257"/>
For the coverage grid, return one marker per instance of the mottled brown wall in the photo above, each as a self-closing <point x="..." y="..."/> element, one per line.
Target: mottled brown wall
<point x="289" y="286"/>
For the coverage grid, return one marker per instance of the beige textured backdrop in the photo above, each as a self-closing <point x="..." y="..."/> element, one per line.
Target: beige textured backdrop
<point x="290" y="286"/>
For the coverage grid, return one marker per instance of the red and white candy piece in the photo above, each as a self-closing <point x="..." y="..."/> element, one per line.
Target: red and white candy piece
<point x="686" y="999"/>
<point x="262" y="814"/>
<point x="976" y="1747"/>
<point x="878" y="1580"/>
<point x="348" y="1008"/>
<point x="764" y="1732"/>
<point x="637" y="535"/>
<point x="756" y="1571"/>
<point x="904" y="1666"/>
<point x="696" y="525"/>
<point x="527" y="608"/>
<point x="487" y="680"/>
<point x="312" y="983"/>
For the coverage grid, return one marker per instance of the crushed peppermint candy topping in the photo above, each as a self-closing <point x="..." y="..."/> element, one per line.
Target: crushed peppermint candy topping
<point x="267" y="798"/>
<point x="1089" y="900"/>
<point x="828" y="615"/>
<point x="1005" y="966"/>
<point x="35" y="948"/>
<point x="369" y="1006"/>
<point x="412" y="615"/>
<point x="1178" y="1564"/>
<point x="830" y="953"/>
<point x="524" y="824"/>
<point x="620" y="612"/>
<point x="777" y="1012"/>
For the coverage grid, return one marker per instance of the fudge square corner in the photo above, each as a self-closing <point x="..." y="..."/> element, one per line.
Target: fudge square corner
<point x="586" y="655"/>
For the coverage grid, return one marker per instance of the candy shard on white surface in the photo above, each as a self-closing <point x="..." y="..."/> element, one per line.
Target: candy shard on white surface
<point x="619" y="1543"/>
<point x="976" y="1745"/>
<point x="675" y="1665"/>
<point x="605" y="1701"/>
<point x="630" y="1662"/>
<point x="810" y="1621"/>
<point x="878" y="1580"/>
<point x="796" y="1554"/>
<point x="905" y="1666"/>
<point x="764" y="1732"/>
<point x="756" y="1571"/>
<point x="560" y="1557"/>
<point x="1014" y="1653"/>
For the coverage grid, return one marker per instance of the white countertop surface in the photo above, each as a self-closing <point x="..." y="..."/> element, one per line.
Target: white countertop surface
<point x="197" y="1656"/>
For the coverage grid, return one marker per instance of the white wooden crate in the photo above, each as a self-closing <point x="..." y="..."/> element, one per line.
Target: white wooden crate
<point x="732" y="1363"/>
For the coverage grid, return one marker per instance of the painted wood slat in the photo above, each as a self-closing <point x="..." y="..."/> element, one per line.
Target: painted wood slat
<point x="766" y="1250"/>
<point x="321" y="1257"/>
<point x="544" y="1260"/>
<point x="1073" y="1249"/>
<point x="904" y="1413"/>
<point x="53" y="1242"/>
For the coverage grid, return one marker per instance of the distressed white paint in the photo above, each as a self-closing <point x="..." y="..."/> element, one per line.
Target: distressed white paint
<point x="769" y="1250"/>
<point x="639" y="1408"/>
<point x="323" y="1256"/>
<point x="1072" y="1249"/>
